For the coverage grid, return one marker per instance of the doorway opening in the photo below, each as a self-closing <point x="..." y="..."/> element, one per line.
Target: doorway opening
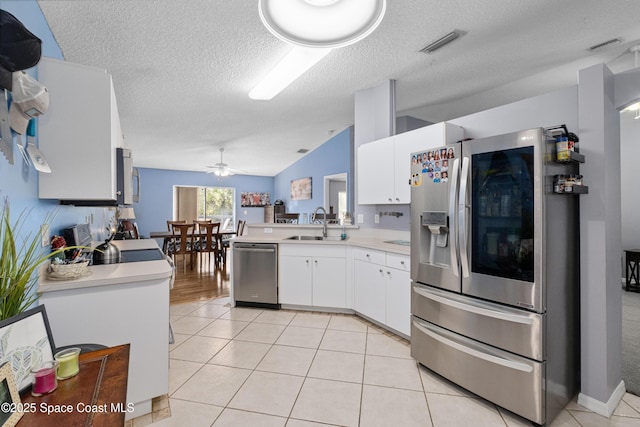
<point x="335" y="194"/>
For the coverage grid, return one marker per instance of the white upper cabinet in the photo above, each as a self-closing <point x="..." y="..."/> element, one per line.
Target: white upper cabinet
<point x="375" y="172"/>
<point x="79" y="133"/>
<point x="384" y="166"/>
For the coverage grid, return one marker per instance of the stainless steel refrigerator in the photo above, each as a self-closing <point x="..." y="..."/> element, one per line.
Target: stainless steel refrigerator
<point x="494" y="269"/>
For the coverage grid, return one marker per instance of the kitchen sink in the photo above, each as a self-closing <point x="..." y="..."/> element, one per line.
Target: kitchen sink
<point x="300" y="237"/>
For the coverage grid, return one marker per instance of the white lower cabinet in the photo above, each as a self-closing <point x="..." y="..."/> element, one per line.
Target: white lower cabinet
<point x="369" y="290"/>
<point x="313" y="275"/>
<point x="398" y="291"/>
<point x="382" y="288"/>
<point x="295" y="280"/>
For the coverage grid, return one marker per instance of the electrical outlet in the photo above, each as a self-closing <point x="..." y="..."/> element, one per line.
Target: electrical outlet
<point x="376" y="219"/>
<point x="360" y="218"/>
<point x="44" y="232"/>
<point x="245" y="212"/>
<point x="268" y="230"/>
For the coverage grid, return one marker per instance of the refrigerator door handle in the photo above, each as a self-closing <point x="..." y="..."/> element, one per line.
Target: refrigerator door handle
<point x="473" y="352"/>
<point x="453" y="239"/>
<point x="486" y="312"/>
<point x="462" y="216"/>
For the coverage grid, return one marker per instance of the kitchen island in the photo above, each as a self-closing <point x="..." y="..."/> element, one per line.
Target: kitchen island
<point x="366" y="274"/>
<point x="118" y="304"/>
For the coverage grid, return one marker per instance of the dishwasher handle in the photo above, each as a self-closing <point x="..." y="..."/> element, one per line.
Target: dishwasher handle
<point x="254" y="250"/>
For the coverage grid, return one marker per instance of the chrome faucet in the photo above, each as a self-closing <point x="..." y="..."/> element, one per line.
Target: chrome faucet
<point x="324" y="220"/>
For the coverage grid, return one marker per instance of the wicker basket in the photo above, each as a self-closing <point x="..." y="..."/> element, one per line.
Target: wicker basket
<point x="68" y="271"/>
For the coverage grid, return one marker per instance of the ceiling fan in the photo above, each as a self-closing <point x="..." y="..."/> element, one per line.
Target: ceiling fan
<point x="221" y="168"/>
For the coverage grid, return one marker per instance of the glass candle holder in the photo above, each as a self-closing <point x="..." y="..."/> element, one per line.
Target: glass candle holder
<point x="68" y="362"/>
<point x="44" y="378"/>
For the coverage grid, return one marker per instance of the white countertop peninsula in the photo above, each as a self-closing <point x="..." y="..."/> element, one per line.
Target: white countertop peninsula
<point x="119" y="304"/>
<point x="112" y="274"/>
<point x="356" y="236"/>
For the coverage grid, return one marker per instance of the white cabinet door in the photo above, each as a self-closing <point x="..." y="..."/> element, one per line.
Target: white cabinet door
<point x="398" y="295"/>
<point x="79" y="136"/>
<point x="369" y="290"/>
<point x="384" y="166"/>
<point x="295" y="280"/>
<point x="375" y="172"/>
<point x="329" y="282"/>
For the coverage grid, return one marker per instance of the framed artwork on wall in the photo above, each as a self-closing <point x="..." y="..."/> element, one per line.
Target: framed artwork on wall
<point x="251" y="199"/>
<point x="301" y="189"/>
<point x="26" y="342"/>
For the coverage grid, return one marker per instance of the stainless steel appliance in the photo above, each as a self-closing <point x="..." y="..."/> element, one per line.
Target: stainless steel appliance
<point x="106" y="253"/>
<point x="494" y="268"/>
<point x="255" y="274"/>
<point x="125" y="178"/>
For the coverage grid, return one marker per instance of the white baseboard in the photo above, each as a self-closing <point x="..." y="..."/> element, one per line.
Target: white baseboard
<point x="603" y="408"/>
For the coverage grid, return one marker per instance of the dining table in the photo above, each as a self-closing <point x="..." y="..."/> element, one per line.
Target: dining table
<point x="166" y="236"/>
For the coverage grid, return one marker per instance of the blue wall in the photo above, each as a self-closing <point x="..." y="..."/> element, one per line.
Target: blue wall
<point x="332" y="157"/>
<point x="19" y="184"/>
<point x="156" y="194"/>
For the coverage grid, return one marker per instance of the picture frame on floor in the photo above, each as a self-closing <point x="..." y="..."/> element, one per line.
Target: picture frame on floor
<point x="25" y="342"/>
<point x="9" y="398"/>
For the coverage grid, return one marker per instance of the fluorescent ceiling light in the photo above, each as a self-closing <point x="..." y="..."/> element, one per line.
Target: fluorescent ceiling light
<point x="292" y="66"/>
<point x="321" y="23"/>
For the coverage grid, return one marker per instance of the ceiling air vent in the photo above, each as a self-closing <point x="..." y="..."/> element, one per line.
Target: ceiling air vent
<point x="604" y="44"/>
<point x="302" y="151"/>
<point x="432" y="47"/>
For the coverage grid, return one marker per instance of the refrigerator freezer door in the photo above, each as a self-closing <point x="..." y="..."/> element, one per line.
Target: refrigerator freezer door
<point x="520" y="331"/>
<point x="503" y="233"/>
<point x="434" y="189"/>
<point x="510" y="381"/>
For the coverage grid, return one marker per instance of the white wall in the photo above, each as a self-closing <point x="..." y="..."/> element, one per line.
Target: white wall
<point x="551" y="109"/>
<point x="630" y="178"/>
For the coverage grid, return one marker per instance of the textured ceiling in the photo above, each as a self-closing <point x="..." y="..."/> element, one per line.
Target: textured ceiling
<point x="182" y="69"/>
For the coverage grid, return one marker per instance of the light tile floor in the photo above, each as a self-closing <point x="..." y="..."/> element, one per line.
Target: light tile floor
<point x="253" y="367"/>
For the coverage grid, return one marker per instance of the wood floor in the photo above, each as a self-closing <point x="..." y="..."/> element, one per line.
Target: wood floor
<point x="202" y="282"/>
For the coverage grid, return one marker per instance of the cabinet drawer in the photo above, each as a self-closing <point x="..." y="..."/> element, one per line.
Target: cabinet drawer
<point x="318" y="250"/>
<point x="369" y="255"/>
<point x="520" y="331"/>
<point x="400" y="262"/>
<point x="510" y="381"/>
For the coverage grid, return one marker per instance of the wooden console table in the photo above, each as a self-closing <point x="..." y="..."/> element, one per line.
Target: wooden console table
<point x="95" y="397"/>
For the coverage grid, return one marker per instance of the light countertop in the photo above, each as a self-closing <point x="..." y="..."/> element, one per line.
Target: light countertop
<point x="355" y="241"/>
<point x="113" y="274"/>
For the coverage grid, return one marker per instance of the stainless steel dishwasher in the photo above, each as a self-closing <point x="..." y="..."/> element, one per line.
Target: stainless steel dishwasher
<point x="255" y="274"/>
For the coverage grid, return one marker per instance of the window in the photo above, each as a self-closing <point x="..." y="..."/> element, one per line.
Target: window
<point x="216" y="204"/>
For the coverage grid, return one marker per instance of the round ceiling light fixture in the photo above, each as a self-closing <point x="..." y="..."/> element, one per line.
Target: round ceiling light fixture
<point x="322" y="23"/>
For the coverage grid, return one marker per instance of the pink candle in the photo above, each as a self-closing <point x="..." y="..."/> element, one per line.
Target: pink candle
<point x="44" y="379"/>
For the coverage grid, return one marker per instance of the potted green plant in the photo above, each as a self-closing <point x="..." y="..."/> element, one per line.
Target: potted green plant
<point x="20" y="258"/>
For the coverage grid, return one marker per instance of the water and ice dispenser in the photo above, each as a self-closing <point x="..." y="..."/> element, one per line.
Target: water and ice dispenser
<point x="438" y="226"/>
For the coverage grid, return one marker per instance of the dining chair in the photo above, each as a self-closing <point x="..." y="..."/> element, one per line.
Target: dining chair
<point x="167" y="245"/>
<point x="129" y="229"/>
<point x="226" y="241"/>
<point x="317" y="218"/>
<point x="182" y="242"/>
<point x="287" y="218"/>
<point x="209" y="241"/>
<point x="178" y="221"/>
